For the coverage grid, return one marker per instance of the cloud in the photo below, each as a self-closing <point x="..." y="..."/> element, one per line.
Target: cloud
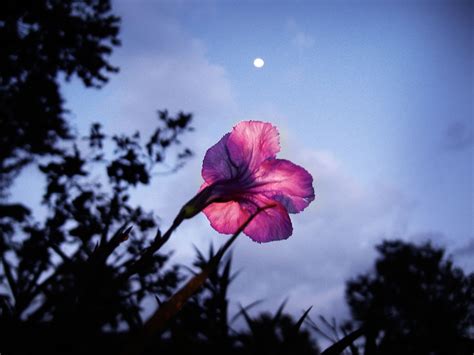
<point x="463" y="255"/>
<point x="299" y="38"/>
<point x="303" y="40"/>
<point x="333" y="240"/>
<point x="163" y="66"/>
<point x="465" y="251"/>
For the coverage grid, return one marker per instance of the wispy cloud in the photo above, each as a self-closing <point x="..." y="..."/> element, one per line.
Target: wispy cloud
<point x="303" y="40"/>
<point x="299" y="38"/>
<point x="465" y="251"/>
<point x="163" y="66"/>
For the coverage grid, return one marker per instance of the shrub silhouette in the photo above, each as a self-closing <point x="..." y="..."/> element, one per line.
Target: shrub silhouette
<point x="416" y="302"/>
<point x="204" y="326"/>
<point x="65" y="273"/>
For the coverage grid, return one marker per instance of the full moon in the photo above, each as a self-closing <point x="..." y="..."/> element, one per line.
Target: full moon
<point x="258" y="63"/>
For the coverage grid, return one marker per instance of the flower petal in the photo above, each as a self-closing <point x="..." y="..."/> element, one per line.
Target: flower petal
<point x="285" y="182"/>
<point x="252" y="142"/>
<point x="270" y="224"/>
<point x="217" y="164"/>
<point x="226" y="217"/>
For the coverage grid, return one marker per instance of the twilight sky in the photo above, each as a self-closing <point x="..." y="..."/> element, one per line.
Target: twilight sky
<point x="373" y="98"/>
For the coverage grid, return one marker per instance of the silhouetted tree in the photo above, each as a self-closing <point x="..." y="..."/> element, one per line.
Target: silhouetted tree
<point x="415" y="302"/>
<point x="70" y="275"/>
<point x="41" y="42"/>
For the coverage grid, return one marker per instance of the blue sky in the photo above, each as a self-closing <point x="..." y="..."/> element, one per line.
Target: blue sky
<point x="373" y="98"/>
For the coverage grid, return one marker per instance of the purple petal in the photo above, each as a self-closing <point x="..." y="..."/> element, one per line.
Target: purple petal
<point x="226" y="217"/>
<point x="285" y="182"/>
<point x="252" y="142"/>
<point x="270" y="224"/>
<point x="217" y="164"/>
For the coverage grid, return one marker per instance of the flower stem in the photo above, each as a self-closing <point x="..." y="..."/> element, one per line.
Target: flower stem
<point x="165" y="312"/>
<point x="154" y="247"/>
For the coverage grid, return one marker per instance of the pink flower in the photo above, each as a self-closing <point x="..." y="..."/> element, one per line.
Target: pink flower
<point x="241" y="174"/>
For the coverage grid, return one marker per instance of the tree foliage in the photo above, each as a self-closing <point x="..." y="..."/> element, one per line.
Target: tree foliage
<point x="42" y="40"/>
<point x="65" y="271"/>
<point x="415" y="302"/>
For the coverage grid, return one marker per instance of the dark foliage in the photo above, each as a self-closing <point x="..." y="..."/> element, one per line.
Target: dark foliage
<point x="66" y="272"/>
<point x="204" y="326"/>
<point x="203" y="321"/>
<point x="416" y="302"/>
<point x="276" y="334"/>
<point x="41" y="39"/>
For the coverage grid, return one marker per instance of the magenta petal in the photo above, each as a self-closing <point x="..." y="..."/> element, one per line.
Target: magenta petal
<point x="283" y="181"/>
<point x="252" y="142"/>
<point x="217" y="164"/>
<point x="226" y="217"/>
<point x="270" y="224"/>
<point x="242" y="174"/>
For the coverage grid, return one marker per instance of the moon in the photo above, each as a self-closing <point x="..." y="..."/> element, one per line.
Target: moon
<point x="258" y="63"/>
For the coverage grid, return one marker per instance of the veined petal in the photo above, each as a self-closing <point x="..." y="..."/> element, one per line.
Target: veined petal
<point x="242" y="174"/>
<point x="270" y="224"/>
<point x="217" y="164"/>
<point x="252" y="142"/>
<point x="226" y="217"/>
<point x="283" y="181"/>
